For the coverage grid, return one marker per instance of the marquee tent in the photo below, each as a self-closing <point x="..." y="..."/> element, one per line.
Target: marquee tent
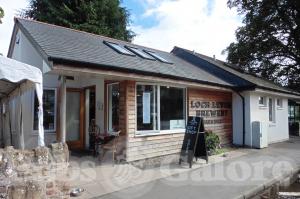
<point x="16" y="79"/>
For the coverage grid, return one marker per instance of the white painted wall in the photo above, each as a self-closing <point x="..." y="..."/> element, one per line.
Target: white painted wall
<point x="277" y="131"/>
<point x="25" y="52"/>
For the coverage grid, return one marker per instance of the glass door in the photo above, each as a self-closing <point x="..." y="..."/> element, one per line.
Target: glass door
<point x="74" y="118"/>
<point x="113" y="106"/>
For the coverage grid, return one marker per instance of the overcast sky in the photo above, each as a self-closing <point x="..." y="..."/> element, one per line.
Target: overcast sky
<point x="206" y="26"/>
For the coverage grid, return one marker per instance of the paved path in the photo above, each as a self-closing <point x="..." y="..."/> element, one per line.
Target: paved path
<point x="229" y="179"/>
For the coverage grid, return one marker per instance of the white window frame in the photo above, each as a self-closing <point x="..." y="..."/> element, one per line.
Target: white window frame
<point x="139" y="133"/>
<point x="107" y="98"/>
<point x="280" y="106"/>
<point x="264" y="101"/>
<point x="52" y="131"/>
<point x="273" y="110"/>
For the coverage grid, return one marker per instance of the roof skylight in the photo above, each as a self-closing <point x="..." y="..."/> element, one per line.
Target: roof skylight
<point x="139" y="53"/>
<point x="156" y="56"/>
<point x="118" y="48"/>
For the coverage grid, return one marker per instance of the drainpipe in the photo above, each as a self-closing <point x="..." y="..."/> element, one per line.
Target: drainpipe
<point x="244" y="127"/>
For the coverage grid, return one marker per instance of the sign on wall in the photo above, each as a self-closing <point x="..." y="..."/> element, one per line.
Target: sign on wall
<point x="211" y="110"/>
<point x="216" y="110"/>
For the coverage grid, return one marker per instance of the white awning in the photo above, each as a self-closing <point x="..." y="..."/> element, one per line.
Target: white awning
<point x="16" y="78"/>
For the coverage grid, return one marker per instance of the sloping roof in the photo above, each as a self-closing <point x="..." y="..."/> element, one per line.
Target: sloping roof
<point x="59" y="44"/>
<point x="229" y="72"/>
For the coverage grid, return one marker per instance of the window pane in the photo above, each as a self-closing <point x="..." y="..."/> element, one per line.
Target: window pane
<point x="172" y="108"/>
<point x="49" y="110"/>
<point x="279" y="103"/>
<point x="118" y="48"/>
<point x="146" y="102"/>
<point x="73" y="116"/>
<point x="271" y="110"/>
<point x="297" y="112"/>
<point x="261" y="100"/>
<point x="113" y="107"/>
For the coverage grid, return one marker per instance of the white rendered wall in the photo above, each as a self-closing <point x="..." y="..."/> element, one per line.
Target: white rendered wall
<point x="277" y="131"/>
<point x="25" y="52"/>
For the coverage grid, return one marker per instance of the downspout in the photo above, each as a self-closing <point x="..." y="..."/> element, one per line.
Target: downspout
<point x="244" y="127"/>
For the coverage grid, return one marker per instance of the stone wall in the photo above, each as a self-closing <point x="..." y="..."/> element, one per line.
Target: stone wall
<point x="34" y="174"/>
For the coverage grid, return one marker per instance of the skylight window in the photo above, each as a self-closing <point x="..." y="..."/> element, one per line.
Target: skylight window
<point x="140" y="53"/>
<point x="156" y="56"/>
<point x="118" y="48"/>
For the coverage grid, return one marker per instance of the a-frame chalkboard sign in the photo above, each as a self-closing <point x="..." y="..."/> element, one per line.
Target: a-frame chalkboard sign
<point x="194" y="141"/>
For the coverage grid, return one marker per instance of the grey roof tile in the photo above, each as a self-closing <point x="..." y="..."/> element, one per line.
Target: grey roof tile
<point x="228" y="72"/>
<point x="72" y="45"/>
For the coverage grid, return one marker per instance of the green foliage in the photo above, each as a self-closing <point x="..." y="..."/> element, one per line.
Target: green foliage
<point x="212" y="141"/>
<point x="269" y="43"/>
<point x="103" y="17"/>
<point x="1" y="15"/>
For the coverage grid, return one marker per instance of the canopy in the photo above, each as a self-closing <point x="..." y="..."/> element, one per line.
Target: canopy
<point x="16" y="78"/>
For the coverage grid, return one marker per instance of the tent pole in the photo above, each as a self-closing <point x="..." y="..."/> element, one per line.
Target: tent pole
<point x="63" y="93"/>
<point x="22" y="144"/>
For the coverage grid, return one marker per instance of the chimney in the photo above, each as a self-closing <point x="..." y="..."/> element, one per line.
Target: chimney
<point x="214" y="56"/>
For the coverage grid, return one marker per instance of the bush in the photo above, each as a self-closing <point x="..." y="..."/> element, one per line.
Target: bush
<point x="212" y="141"/>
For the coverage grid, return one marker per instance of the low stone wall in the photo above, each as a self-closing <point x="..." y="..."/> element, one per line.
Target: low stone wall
<point x="34" y="174"/>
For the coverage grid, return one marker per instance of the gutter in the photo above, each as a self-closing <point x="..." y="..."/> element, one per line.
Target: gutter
<point x="80" y="64"/>
<point x="296" y="94"/>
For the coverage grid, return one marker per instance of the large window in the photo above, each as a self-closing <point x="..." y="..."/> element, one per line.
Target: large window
<point x="49" y="107"/>
<point x="294" y="112"/>
<point x="160" y="108"/>
<point x="172" y="108"/>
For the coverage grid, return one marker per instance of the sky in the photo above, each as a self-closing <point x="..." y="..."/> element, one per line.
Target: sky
<point x="206" y="26"/>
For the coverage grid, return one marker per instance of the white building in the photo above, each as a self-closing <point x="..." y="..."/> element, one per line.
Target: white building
<point x="264" y="101"/>
<point x="88" y="76"/>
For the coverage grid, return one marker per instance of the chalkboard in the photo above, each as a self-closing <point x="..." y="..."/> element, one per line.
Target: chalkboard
<point x="194" y="142"/>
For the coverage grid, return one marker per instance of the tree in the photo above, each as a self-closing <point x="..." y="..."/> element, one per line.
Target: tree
<point x="1" y="15"/>
<point x="104" y="17"/>
<point x="269" y="42"/>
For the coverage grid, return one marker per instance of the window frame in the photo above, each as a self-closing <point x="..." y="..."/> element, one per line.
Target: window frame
<point x="114" y="46"/>
<point x="273" y="121"/>
<point x="107" y="105"/>
<point x="280" y="106"/>
<point x="52" y="131"/>
<point x="141" y="133"/>
<point x="264" y="104"/>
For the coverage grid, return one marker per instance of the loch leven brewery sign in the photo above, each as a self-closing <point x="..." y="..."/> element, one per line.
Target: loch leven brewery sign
<point x="211" y="110"/>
